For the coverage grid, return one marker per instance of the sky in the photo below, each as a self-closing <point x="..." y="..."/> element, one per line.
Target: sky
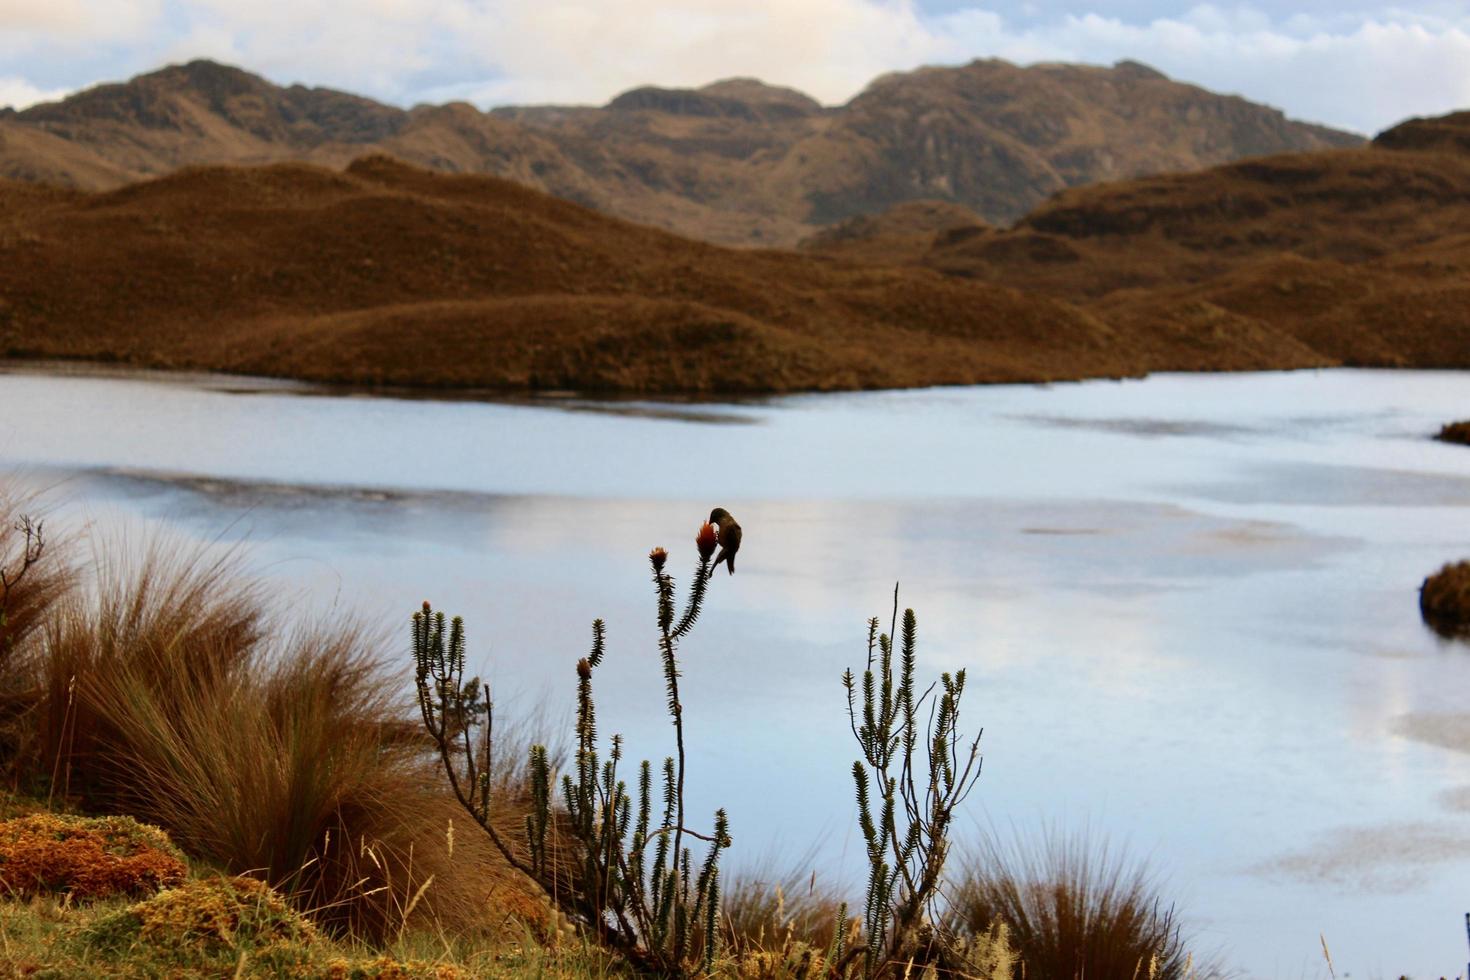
<point x="1355" y="67"/>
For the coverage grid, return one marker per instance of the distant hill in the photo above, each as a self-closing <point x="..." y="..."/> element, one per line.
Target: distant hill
<point x="737" y="161"/>
<point x="1361" y="255"/>
<point x="388" y="274"/>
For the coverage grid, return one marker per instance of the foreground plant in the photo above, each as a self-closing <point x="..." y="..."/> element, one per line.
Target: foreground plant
<point x="660" y="911"/>
<point x="918" y="785"/>
<point x="1072" y="908"/>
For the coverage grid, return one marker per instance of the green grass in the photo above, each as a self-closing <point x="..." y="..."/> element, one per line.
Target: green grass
<point x="52" y="938"/>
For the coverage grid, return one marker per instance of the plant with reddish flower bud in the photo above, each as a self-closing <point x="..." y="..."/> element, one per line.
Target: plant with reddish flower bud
<point x="628" y="875"/>
<point x="707" y="540"/>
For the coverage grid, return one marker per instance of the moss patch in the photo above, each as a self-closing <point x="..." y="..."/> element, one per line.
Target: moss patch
<point x="207" y="922"/>
<point x="87" y="858"/>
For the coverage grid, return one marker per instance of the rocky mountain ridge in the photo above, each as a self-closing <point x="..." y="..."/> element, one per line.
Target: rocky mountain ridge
<point x="737" y="161"/>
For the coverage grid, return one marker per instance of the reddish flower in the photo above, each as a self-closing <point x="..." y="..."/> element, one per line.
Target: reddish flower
<point x="584" y="669"/>
<point x="707" y="540"/>
<point x="658" y="556"/>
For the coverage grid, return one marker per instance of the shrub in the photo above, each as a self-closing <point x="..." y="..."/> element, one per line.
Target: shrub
<point x="85" y="857"/>
<point x="1455" y="432"/>
<point x="910" y="782"/>
<point x="662" y="914"/>
<point x="1444" y="599"/>
<point x="1071" y="911"/>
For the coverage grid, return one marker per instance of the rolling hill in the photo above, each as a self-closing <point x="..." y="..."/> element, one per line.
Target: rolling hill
<point x="387" y="274"/>
<point x="1361" y="255"/>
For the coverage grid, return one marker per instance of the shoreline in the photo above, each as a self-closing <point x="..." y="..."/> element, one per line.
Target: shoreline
<point x="231" y="382"/>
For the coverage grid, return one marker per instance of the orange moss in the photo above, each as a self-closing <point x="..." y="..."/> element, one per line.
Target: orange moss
<point x="87" y="857"/>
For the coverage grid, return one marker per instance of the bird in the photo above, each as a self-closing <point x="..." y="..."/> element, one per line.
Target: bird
<point x="729" y="536"/>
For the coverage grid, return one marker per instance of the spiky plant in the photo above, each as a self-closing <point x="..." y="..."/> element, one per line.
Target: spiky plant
<point x="661" y="913"/>
<point x="909" y="783"/>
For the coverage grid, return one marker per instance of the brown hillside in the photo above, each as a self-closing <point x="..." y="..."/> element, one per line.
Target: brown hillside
<point x="388" y="274"/>
<point x="1361" y="255"/>
<point x="737" y="161"/>
<point x="901" y="235"/>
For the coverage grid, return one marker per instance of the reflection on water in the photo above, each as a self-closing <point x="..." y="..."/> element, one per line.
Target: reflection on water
<point x="1187" y="603"/>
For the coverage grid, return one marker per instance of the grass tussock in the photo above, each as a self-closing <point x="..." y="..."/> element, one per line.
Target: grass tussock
<point x="1444" y="599"/>
<point x="171" y="688"/>
<point x="1457" y="432"/>
<point x="35" y="574"/>
<point x="1070" y="911"/>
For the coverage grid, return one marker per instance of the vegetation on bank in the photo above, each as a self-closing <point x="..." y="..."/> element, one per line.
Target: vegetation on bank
<point x="300" y="820"/>
<point x="1458" y="432"/>
<point x="1444" y="599"/>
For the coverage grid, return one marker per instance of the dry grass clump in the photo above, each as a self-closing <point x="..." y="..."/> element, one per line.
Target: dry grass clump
<point x="35" y="574"/>
<point x="1455" y="432"/>
<point x="180" y="625"/>
<point x="205" y="922"/>
<point x="1071" y="911"/>
<point x="1444" y="599"/>
<point x="86" y="857"/>
<point x="171" y="689"/>
<point x="780" y="927"/>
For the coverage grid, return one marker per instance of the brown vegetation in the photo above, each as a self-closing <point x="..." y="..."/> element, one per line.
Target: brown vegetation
<point x="1354" y="257"/>
<point x="737" y="161"/>
<point x="1444" y="599"/>
<point x="1071" y="910"/>
<point x="87" y="858"/>
<point x="171" y="689"/>
<point x="389" y="275"/>
<point x="1458" y="432"/>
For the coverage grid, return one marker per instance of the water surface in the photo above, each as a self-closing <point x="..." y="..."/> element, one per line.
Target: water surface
<point x="1187" y="604"/>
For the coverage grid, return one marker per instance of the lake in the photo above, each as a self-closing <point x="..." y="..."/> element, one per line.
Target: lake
<point x="1187" y="603"/>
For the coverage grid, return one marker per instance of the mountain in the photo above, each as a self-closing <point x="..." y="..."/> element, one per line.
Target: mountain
<point x="738" y="161"/>
<point x="1360" y="255"/>
<point x="388" y="274"/>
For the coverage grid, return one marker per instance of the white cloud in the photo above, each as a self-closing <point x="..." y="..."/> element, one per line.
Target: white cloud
<point x="18" y="93"/>
<point x="1360" y="70"/>
<point x="1366" y="76"/>
<point x="78" y="19"/>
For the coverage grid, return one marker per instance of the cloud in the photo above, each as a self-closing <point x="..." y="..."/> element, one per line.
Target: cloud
<point x="1365" y="74"/>
<point x="1359" y="70"/>
<point x="19" y="93"/>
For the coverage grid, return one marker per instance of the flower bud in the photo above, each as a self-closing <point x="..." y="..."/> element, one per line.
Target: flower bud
<point x="658" y="556"/>
<point x="707" y="539"/>
<point x="584" y="669"/>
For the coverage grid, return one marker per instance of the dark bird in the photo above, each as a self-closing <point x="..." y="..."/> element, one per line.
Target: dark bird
<point x="729" y="533"/>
